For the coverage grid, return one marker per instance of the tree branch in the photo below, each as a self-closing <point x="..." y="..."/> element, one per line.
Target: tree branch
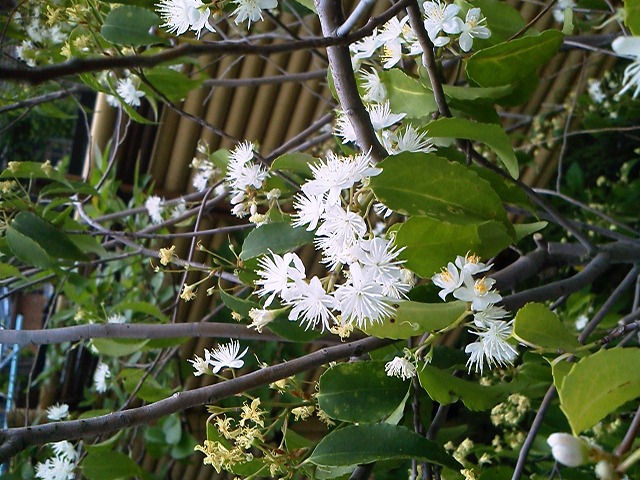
<point x="14" y="440"/>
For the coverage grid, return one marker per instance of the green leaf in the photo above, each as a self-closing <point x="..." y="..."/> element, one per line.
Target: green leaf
<point x="7" y="271"/>
<point x="149" y="391"/>
<point x="238" y="305"/>
<point x="425" y="184"/>
<point x="502" y="19"/>
<point x="295" y="162"/>
<point x="490" y="134"/>
<point x="130" y="25"/>
<point x="26" y="250"/>
<point x="45" y="234"/>
<point x="507" y="191"/>
<point x="118" y="347"/>
<point x="172" y="429"/>
<point x="34" y="170"/>
<point x="632" y="15"/>
<point x="274" y="237"/>
<point x="376" y="442"/>
<point x="537" y="326"/>
<point x="416" y="318"/>
<point x="508" y="62"/>
<point x="360" y="392"/>
<point x="291" y="330"/>
<point x="526" y="229"/>
<point x="599" y="384"/>
<point x="103" y="465"/>
<point x="174" y="85"/>
<point x="146" y="308"/>
<point x="431" y="244"/>
<point x="407" y="94"/>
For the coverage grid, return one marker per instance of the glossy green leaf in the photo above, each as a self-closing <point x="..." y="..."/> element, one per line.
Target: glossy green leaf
<point x="526" y="229"/>
<point x="292" y="331"/>
<point x="376" y="442"/>
<point x="103" y="465"/>
<point x="537" y="326"/>
<point x="360" y="392"/>
<point x="416" y="318"/>
<point x="296" y="162"/>
<point x="407" y="94"/>
<point x="507" y="191"/>
<point x="490" y="134"/>
<point x="599" y="384"/>
<point x="274" y="237"/>
<point x="502" y="19"/>
<point x="119" y="347"/>
<point x="174" y="85"/>
<point x="431" y="244"/>
<point x="632" y="15"/>
<point x="27" y="250"/>
<point x="445" y="388"/>
<point x="425" y="184"/>
<point x="508" y="62"/>
<point x="51" y="239"/>
<point x="130" y="25"/>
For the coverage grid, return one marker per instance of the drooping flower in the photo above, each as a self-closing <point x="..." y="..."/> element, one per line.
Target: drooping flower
<point x="382" y="117"/>
<point x="100" y="377"/>
<point x="278" y="276"/>
<point x="407" y="139"/>
<point x="225" y="356"/>
<point x="182" y="15"/>
<point x="200" y="365"/>
<point x="65" y="449"/>
<point x="312" y="304"/>
<point x="375" y="90"/>
<point x="260" y="318"/>
<point x="251" y="10"/>
<point x="400" y="367"/>
<point x="58" y="412"/>
<point x="492" y="346"/>
<point x="167" y="254"/>
<point x="365" y="48"/>
<point x="473" y="28"/>
<point x="129" y="92"/>
<point x="560" y="7"/>
<point x="629" y="47"/>
<point x="56" y="468"/>
<point x="155" y="208"/>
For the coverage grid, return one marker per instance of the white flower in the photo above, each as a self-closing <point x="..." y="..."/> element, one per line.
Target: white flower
<point x="155" y="206"/>
<point x="129" y="92"/>
<point x="200" y="365"/>
<point x="340" y="231"/>
<point x="381" y="116"/>
<point x="366" y="47"/>
<point x="375" y="90"/>
<point x="568" y="450"/>
<point x="182" y="15"/>
<point x="448" y="280"/>
<point x="441" y="18"/>
<point x="473" y="28"/>
<point x="393" y="30"/>
<point x="491" y="347"/>
<point x="58" y="412"/>
<point x="344" y="129"/>
<point x="278" y="276"/>
<point x="361" y="299"/>
<point x="100" y="377"/>
<point x="226" y="356"/>
<point x="560" y="7"/>
<point x="313" y="304"/>
<point x="382" y="210"/>
<point x="56" y="468"/>
<point x="116" y="318"/>
<point x="261" y="318"/>
<point x="477" y="292"/>
<point x="595" y="91"/>
<point x="471" y="264"/>
<point x="309" y="209"/>
<point x="605" y="471"/>
<point x="251" y="10"/>
<point x="400" y="367"/>
<point x="488" y="315"/>
<point x="378" y="258"/>
<point x="407" y="139"/>
<point x="629" y="47"/>
<point x="391" y="53"/>
<point x="65" y="449"/>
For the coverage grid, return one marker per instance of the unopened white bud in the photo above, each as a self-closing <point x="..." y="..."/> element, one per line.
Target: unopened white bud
<point x="605" y="471"/>
<point x="568" y="450"/>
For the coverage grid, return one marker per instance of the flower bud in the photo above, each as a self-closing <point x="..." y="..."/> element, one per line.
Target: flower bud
<point x="568" y="450"/>
<point x="605" y="471"/>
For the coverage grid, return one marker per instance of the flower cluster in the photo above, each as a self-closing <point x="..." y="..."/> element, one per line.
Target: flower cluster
<point x="39" y="35"/>
<point x="182" y="15"/>
<point x="492" y="329"/>
<point x="372" y="276"/>
<point x="223" y="356"/>
<point x="244" y="178"/>
<point x="441" y="21"/>
<point x="61" y="466"/>
<point x="240" y="437"/>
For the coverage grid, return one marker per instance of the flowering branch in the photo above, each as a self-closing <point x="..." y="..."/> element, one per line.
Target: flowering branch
<point x="14" y="440"/>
